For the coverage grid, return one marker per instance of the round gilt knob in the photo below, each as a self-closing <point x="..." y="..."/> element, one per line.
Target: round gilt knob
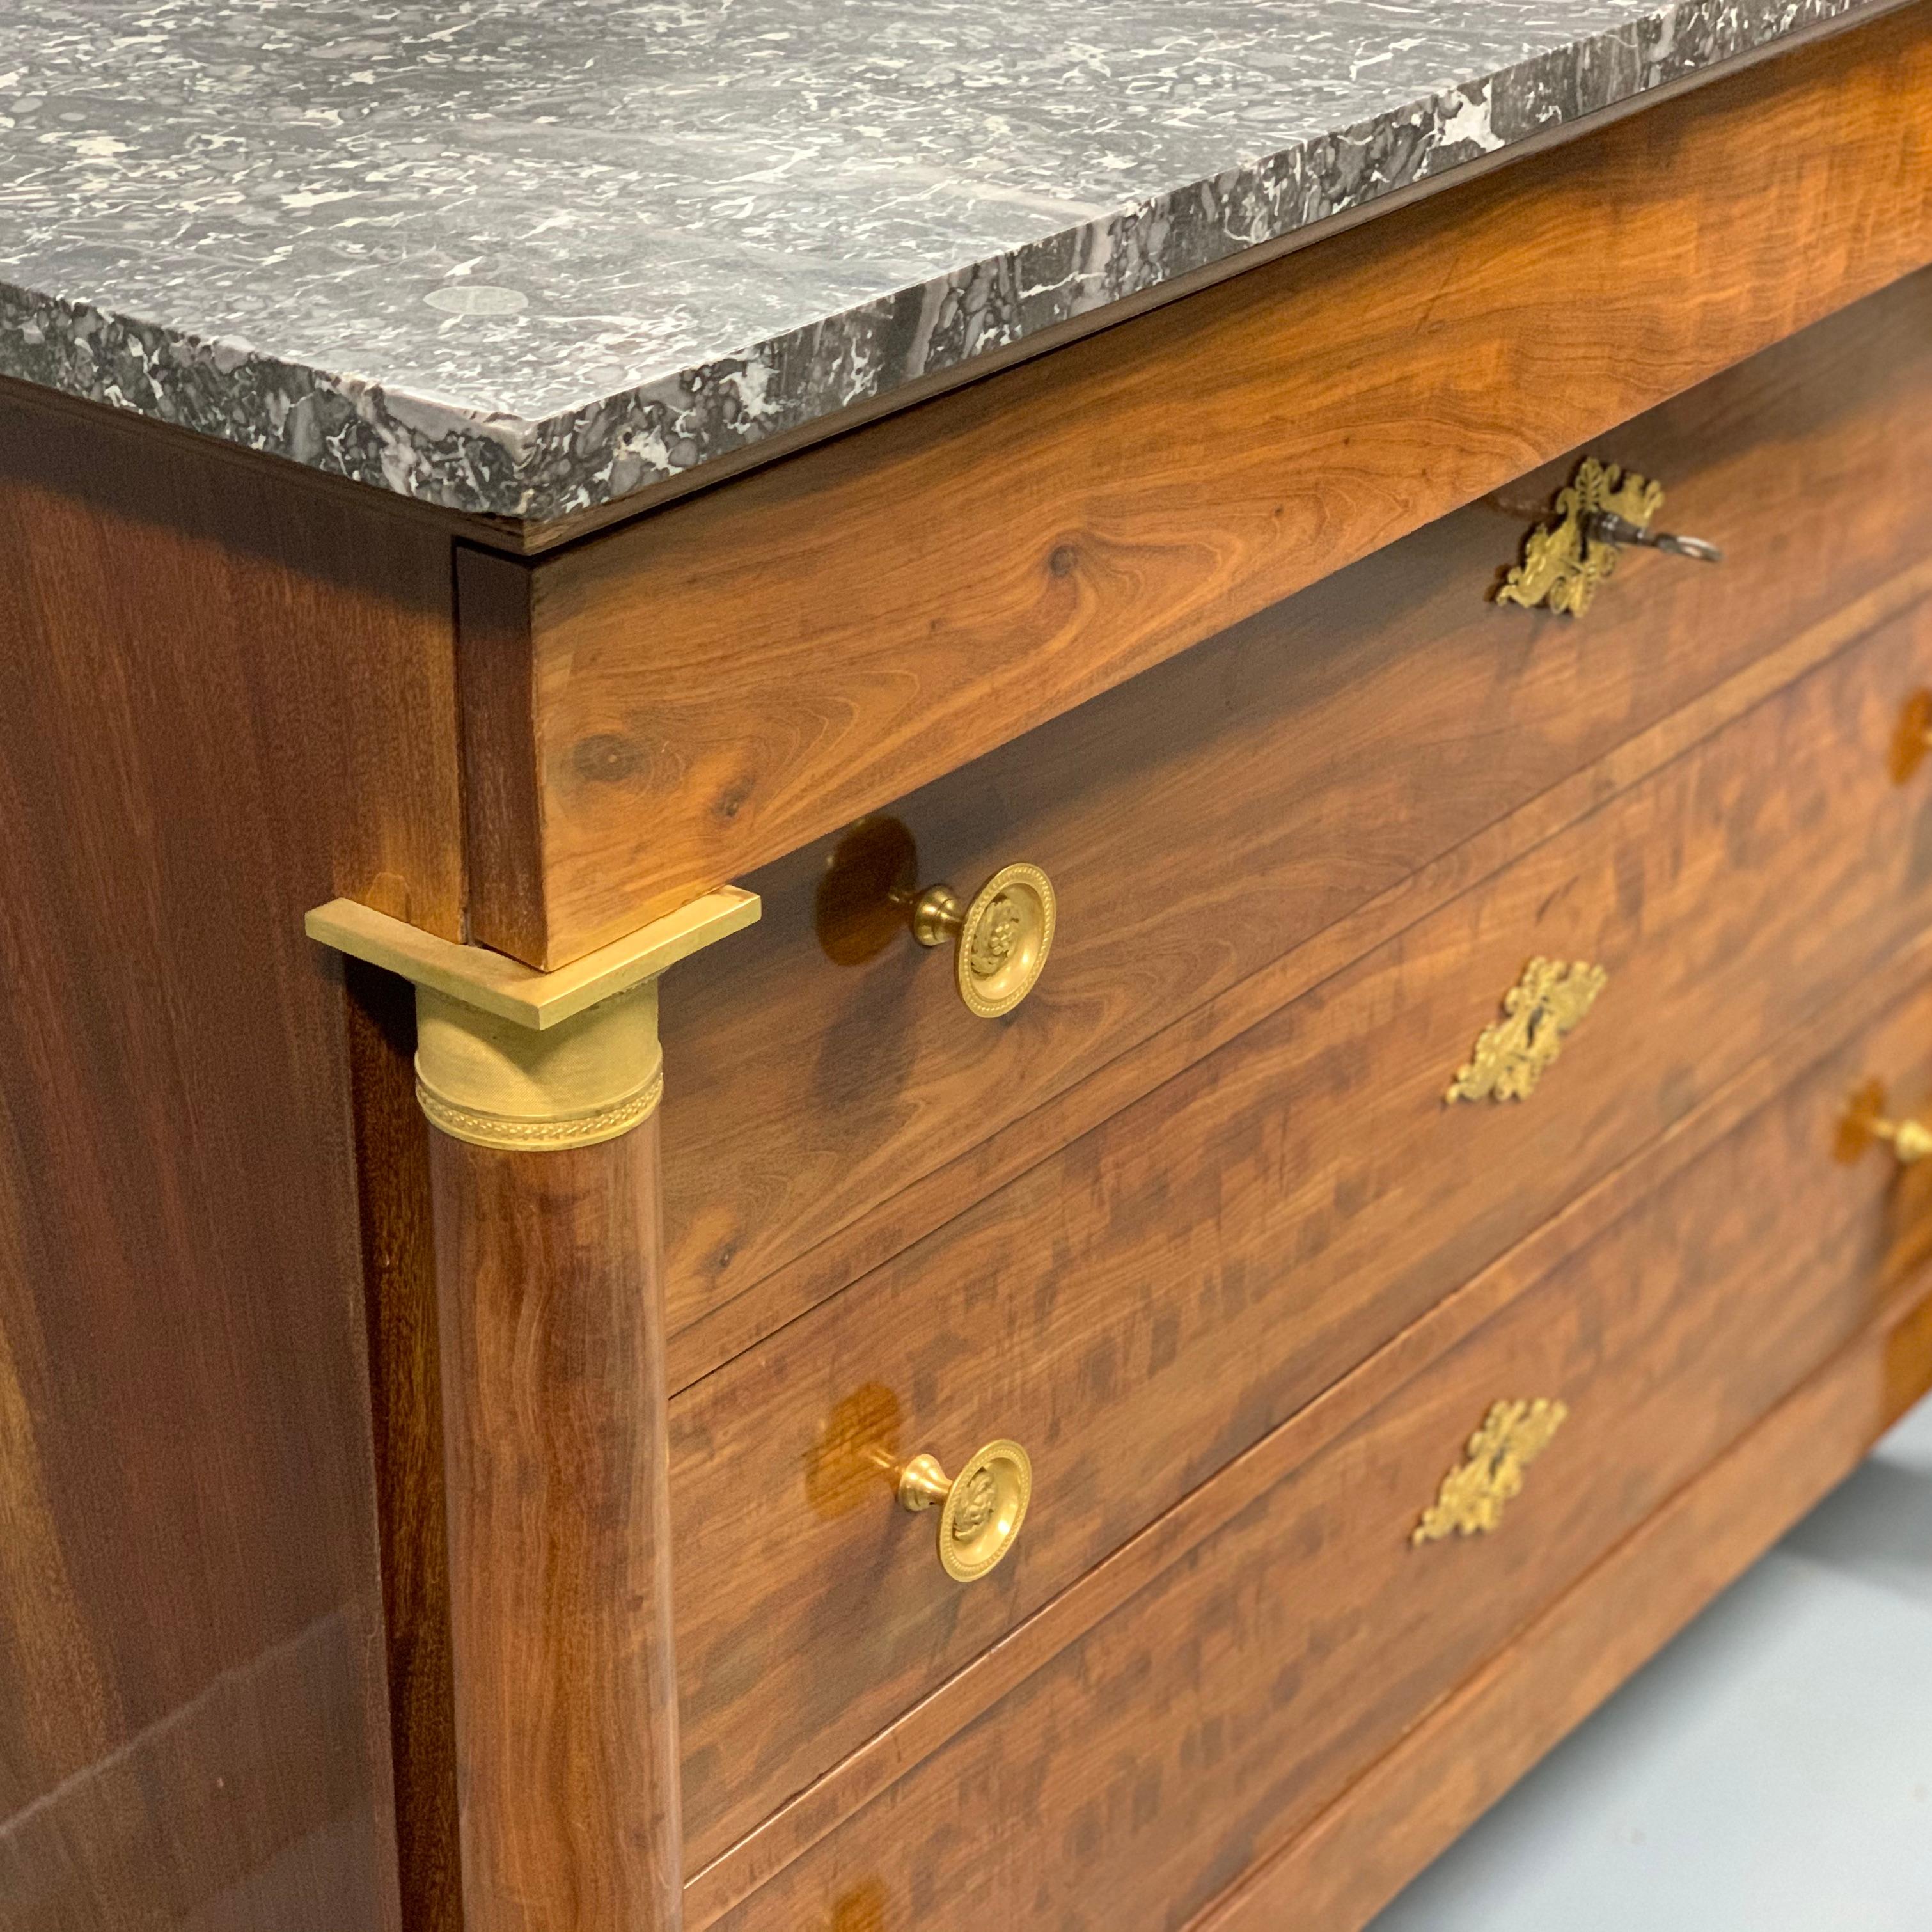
<point x="1864" y="1121"/>
<point x="980" y="1509"/>
<point x="1002" y="937"/>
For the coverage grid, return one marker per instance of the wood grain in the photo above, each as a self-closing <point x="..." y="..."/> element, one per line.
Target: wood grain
<point x="1220" y="1710"/>
<point x="553" y="1380"/>
<point x="399" y="1280"/>
<point x="822" y="1806"/>
<point x="892" y="604"/>
<point x="503" y="804"/>
<point x="925" y="1204"/>
<point x="1223" y="808"/>
<point x="1473" y="1745"/>
<point x="221" y="702"/>
<point x="1145" y="1305"/>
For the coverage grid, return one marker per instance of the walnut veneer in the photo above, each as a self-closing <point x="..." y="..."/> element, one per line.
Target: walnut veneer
<point x="494" y="1525"/>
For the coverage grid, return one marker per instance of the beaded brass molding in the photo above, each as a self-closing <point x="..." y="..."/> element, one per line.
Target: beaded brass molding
<point x="1472" y="1496"/>
<point x="586" y="1129"/>
<point x="529" y="1062"/>
<point x="1511" y="1054"/>
<point x="1565" y="564"/>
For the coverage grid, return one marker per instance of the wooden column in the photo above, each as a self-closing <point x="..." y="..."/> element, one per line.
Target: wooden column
<point x="559" y="1534"/>
<point x="544" y="1088"/>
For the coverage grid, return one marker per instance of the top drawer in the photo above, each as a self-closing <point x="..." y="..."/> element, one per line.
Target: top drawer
<point x="1222" y="808"/>
<point x="654" y="712"/>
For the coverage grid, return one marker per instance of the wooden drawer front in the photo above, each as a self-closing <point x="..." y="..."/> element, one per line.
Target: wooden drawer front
<point x="653" y="712"/>
<point x="1143" y="1306"/>
<point x="1137" y="1773"/>
<point x="1206" y="818"/>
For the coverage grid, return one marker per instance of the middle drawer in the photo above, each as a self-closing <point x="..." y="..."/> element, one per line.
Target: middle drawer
<point x="1142" y="1307"/>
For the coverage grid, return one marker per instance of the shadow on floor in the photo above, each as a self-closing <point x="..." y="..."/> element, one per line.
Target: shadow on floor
<point x="1770" y="1772"/>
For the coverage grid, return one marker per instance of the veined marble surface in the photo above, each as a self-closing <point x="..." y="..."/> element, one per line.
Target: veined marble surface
<point x="527" y="258"/>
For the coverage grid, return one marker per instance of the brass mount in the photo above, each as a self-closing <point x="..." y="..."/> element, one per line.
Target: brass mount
<point x="980" y="1509"/>
<point x="1568" y="559"/>
<point x="510" y="1058"/>
<point x="1002" y="937"/>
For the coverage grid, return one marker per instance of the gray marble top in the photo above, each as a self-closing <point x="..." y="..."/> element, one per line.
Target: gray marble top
<point x="527" y="258"/>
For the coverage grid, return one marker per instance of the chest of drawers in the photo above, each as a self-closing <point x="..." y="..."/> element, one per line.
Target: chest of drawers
<point x="1440" y="1192"/>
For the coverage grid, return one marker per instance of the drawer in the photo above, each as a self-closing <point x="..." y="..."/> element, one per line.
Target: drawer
<point x="655" y="712"/>
<point x="1138" y="1771"/>
<point x="1207" y="817"/>
<point x="1146" y="1304"/>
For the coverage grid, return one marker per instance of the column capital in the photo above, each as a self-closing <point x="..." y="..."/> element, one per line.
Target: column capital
<point x="510" y="1057"/>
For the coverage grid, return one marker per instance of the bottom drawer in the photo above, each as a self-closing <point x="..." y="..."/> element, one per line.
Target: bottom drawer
<point x="1136" y="1775"/>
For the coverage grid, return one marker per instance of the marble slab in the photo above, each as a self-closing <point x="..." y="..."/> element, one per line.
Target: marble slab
<point x="526" y="257"/>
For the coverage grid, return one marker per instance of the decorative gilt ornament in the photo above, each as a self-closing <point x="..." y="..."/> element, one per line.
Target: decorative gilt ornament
<point x="1565" y="562"/>
<point x="980" y="1509"/>
<point x="1510" y="1054"/>
<point x="1002" y="937"/>
<point x="1471" y="1501"/>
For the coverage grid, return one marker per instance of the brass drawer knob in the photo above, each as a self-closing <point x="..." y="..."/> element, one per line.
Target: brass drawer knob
<point x="1566" y="560"/>
<point x="980" y="1509"/>
<point x="1002" y="937"/>
<point x="1864" y="1121"/>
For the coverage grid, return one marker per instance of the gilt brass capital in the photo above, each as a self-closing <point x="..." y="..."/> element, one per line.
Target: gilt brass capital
<point x="491" y="1082"/>
<point x="508" y="1056"/>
